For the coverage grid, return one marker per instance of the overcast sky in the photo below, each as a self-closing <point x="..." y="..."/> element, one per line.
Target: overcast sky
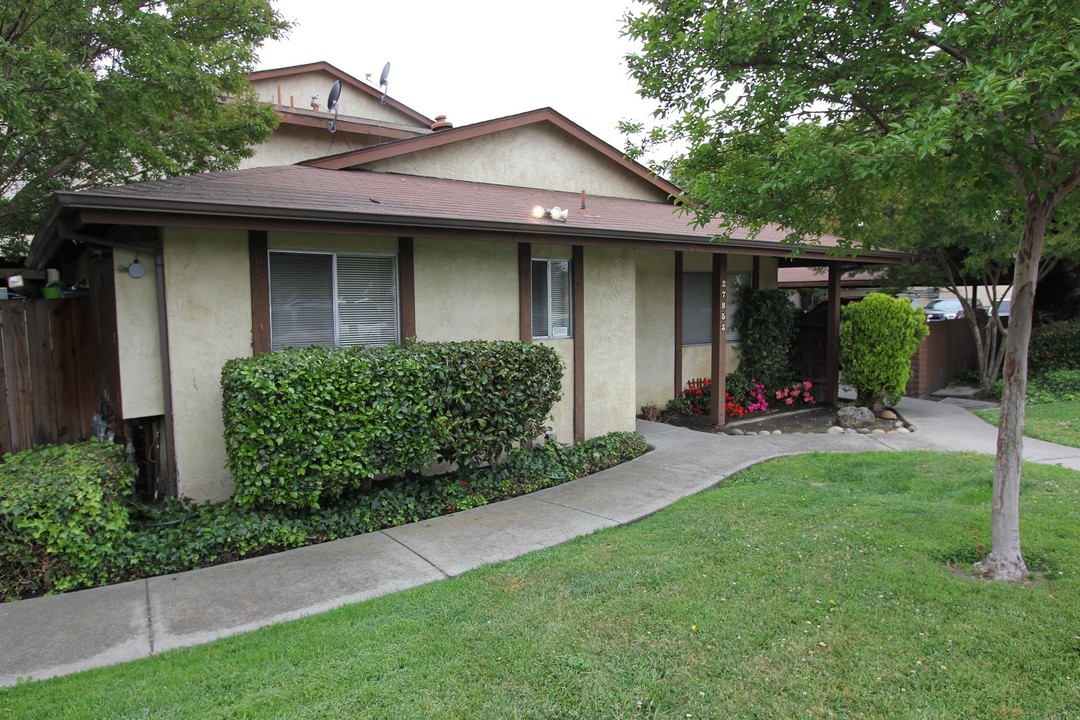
<point x="474" y="61"/>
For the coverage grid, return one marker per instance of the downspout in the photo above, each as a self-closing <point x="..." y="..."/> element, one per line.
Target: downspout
<point x="163" y="335"/>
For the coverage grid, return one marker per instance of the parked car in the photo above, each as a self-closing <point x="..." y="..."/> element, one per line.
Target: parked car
<point x="1003" y="311"/>
<point x="944" y="309"/>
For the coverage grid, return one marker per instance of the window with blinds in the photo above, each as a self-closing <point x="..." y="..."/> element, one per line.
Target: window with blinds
<point x="332" y="299"/>
<point x="550" y="299"/>
<point x="697" y="306"/>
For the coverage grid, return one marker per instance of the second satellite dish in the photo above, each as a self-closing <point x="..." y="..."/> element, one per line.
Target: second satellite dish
<point x="383" y="81"/>
<point x="332" y="104"/>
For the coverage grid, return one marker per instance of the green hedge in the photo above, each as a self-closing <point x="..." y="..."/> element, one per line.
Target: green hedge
<point x="62" y="520"/>
<point x="304" y="426"/>
<point x="1055" y="346"/>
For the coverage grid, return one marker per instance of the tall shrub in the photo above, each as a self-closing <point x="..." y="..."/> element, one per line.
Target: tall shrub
<point x="304" y="425"/>
<point x="878" y="336"/>
<point x="1055" y="346"/>
<point x="766" y="321"/>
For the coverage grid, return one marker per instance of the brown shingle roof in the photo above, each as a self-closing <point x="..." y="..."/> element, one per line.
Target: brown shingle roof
<point x="265" y="196"/>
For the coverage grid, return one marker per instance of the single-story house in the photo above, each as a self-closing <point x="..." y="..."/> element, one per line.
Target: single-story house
<point x="525" y="227"/>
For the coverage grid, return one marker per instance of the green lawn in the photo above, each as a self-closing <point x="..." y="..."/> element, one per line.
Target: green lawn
<point x="813" y="586"/>
<point x="1054" y="422"/>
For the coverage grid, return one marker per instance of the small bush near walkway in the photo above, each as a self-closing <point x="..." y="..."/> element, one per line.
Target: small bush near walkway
<point x="63" y="520"/>
<point x="878" y="336"/>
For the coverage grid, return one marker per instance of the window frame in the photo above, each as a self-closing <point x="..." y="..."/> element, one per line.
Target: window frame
<point x="335" y="291"/>
<point x="736" y="280"/>
<point x="569" y="295"/>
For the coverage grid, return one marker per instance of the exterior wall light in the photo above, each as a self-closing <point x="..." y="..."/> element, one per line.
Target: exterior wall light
<point x="555" y="213"/>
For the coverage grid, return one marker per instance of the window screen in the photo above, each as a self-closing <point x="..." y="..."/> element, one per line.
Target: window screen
<point x="328" y="299"/>
<point x="551" y="298"/>
<point x="697" y="306"/>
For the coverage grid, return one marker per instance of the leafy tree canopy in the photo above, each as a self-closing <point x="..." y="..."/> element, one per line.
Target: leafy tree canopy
<point x="829" y="116"/>
<point x="95" y="94"/>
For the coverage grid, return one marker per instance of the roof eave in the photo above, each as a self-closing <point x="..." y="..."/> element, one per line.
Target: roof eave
<point x="149" y="208"/>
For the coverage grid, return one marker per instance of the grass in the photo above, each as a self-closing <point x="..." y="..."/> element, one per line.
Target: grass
<point x="815" y="586"/>
<point x="1057" y="422"/>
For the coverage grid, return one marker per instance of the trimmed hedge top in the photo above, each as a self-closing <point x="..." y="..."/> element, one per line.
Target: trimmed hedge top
<point x="309" y="424"/>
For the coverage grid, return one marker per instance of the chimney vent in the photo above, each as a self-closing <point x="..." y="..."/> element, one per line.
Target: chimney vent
<point x="441" y="123"/>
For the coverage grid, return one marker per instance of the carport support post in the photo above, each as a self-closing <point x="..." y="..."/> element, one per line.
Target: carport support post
<point x="832" y="338"/>
<point x="719" y="337"/>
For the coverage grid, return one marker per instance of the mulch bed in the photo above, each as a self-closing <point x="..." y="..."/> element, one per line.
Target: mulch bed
<point x="812" y="419"/>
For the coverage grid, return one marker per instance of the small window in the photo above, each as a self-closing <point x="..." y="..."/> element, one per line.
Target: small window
<point x="332" y="299"/>
<point x="550" y="299"/>
<point x="697" y="306"/>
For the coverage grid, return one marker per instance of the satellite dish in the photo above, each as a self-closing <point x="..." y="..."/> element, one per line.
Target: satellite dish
<point x="383" y="80"/>
<point x="332" y="98"/>
<point x="332" y="104"/>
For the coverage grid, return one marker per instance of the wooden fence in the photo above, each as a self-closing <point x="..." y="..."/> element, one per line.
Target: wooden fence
<point x="47" y="378"/>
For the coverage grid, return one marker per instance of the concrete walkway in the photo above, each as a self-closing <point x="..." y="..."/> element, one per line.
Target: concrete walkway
<point x="63" y="634"/>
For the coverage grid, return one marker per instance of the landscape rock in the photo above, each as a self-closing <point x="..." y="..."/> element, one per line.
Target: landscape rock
<point x="835" y="430"/>
<point x="887" y="415"/>
<point x="855" y="417"/>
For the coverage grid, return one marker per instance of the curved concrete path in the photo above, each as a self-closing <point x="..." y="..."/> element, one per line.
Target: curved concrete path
<point x="62" y="634"/>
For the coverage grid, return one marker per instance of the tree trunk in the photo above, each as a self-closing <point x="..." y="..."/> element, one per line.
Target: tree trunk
<point x="1005" y="561"/>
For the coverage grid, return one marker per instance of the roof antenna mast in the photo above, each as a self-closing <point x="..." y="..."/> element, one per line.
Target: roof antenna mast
<point x="382" y="81"/>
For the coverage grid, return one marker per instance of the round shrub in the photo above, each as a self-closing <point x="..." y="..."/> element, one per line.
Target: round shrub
<point x="62" y="517"/>
<point x="1055" y="346"/>
<point x="878" y="336"/>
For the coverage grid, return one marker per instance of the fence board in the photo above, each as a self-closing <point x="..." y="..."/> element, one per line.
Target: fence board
<point x="43" y="426"/>
<point x="68" y="427"/>
<point x="17" y="373"/>
<point x="47" y="378"/>
<point x="83" y="341"/>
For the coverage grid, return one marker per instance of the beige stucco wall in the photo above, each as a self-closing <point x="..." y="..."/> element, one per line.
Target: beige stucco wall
<point x="138" y="338"/>
<point x="208" y="294"/>
<point x="291" y="144"/>
<point x="536" y="156"/>
<point x="324" y="242"/>
<point x="610" y="371"/>
<point x="466" y="290"/>
<point x="352" y="102"/>
<point x="562" y="415"/>
<point x="655" y="335"/>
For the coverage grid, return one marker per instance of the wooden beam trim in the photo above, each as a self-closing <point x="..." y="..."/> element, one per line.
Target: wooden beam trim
<point x="259" y="266"/>
<point x="719" y="338"/>
<point x="577" y="271"/>
<point x="678" y="324"/>
<point x="525" y="292"/>
<point x="407" y="287"/>
<point x="832" y="337"/>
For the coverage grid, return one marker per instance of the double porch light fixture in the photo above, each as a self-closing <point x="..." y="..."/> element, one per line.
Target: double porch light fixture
<point x="555" y="213"/>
